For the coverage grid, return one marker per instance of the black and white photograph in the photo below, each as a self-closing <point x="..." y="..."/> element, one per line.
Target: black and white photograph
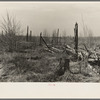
<point x="50" y="42"/>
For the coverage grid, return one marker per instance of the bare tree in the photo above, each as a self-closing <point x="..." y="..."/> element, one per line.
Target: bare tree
<point x="90" y="38"/>
<point x="11" y="29"/>
<point x="88" y="35"/>
<point x="55" y="37"/>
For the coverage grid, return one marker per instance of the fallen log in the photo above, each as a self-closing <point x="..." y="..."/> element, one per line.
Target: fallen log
<point x="49" y="50"/>
<point x="56" y="50"/>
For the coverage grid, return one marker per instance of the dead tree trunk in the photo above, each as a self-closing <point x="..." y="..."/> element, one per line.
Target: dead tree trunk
<point x="63" y="66"/>
<point x="40" y="39"/>
<point x="76" y="38"/>
<point x="27" y="33"/>
<point x="66" y="64"/>
<point x="57" y="36"/>
<point x="30" y="36"/>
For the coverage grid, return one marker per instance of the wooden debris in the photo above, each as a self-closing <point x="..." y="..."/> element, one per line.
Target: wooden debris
<point x="56" y="50"/>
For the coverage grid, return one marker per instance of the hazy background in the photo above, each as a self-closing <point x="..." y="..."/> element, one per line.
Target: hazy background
<point x="53" y="15"/>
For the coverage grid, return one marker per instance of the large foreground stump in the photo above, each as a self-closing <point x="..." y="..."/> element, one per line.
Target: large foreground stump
<point x="63" y="66"/>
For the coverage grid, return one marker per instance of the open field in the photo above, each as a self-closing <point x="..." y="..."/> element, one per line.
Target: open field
<point x="55" y="42"/>
<point x="41" y="65"/>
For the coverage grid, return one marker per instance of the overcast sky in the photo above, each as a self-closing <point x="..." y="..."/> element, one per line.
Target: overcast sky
<point x="53" y="15"/>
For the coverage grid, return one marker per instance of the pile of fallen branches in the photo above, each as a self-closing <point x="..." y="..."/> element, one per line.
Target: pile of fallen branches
<point x="86" y="58"/>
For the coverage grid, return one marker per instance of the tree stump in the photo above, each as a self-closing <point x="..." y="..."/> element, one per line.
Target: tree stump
<point x="63" y="66"/>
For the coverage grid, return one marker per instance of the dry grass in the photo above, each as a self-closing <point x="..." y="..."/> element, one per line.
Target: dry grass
<point x="38" y="66"/>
